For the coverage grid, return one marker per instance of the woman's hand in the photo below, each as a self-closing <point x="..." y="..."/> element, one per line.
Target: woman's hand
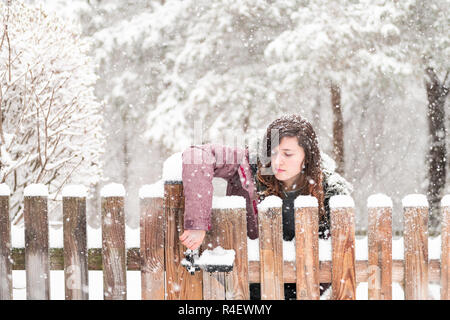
<point x="192" y="238"/>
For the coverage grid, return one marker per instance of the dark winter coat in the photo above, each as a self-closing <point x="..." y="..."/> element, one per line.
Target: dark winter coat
<point x="201" y="163"/>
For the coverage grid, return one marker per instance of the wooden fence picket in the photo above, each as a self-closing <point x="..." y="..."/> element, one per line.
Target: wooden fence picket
<point x="343" y="274"/>
<point x="228" y="230"/>
<point x="36" y="247"/>
<point x="380" y="253"/>
<point x="180" y="284"/>
<point x="152" y="231"/>
<point x="271" y="248"/>
<point x="5" y="250"/>
<point x="113" y="248"/>
<point x="75" y="248"/>
<point x="445" y="249"/>
<point x="415" y="238"/>
<point x="307" y="249"/>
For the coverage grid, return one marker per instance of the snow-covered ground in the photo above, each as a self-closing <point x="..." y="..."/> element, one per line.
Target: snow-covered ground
<point x="132" y="237"/>
<point x="134" y="287"/>
<point x="95" y="285"/>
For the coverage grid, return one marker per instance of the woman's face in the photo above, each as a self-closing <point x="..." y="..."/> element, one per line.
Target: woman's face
<point x="287" y="161"/>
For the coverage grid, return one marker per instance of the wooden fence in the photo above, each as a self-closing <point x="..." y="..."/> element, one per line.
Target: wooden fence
<point x="160" y="252"/>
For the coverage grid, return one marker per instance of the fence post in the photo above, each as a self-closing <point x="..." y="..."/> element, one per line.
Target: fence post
<point x="180" y="285"/>
<point x="5" y="245"/>
<point x="415" y="235"/>
<point x="307" y="247"/>
<point x="445" y="249"/>
<point x="228" y="230"/>
<point x="380" y="247"/>
<point x="113" y="242"/>
<point x="152" y="241"/>
<point x="75" y="243"/>
<point x="271" y="248"/>
<point x="36" y="242"/>
<point x="343" y="273"/>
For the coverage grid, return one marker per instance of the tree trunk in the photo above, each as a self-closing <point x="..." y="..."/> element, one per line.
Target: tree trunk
<point x="338" y="128"/>
<point x="126" y="158"/>
<point x="316" y="112"/>
<point x="436" y="158"/>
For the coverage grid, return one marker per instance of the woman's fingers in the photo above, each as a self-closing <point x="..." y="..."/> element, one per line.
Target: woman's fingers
<point x="191" y="244"/>
<point x="192" y="239"/>
<point x="187" y="243"/>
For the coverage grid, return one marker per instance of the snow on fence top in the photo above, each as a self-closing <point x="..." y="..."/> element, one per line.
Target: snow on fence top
<point x="379" y="200"/>
<point x="306" y="202"/>
<point x="113" y="190"/>
<point x="228" y="202"/>
<point x="270" y="202"/>
<point x="74" y="190"/>
<point x="342" y="201"/>
<point x="36" y="190"/>
<point x="155" y="190"/>
<point x="415" y="200"/>
<point x="218" y="256"/>
<point x="445" y="202"/>
<point x="173" y="167"/>
<point x="4" y="190"/>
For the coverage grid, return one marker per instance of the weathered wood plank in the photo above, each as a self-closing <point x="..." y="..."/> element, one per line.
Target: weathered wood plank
<point x="36" y="248"/>
<point x="271" y="253"/>
<point x="307" y="253"/>
<point x="236" y="238"/>
<point x="228" y="230"/>
<point x="416" y="253"/>
<point x="214" y="286"/>
<point x="5" y="250"/>
<point x="152" y="248"/>
<point x="75" y="249"/>
<point x="113" y="249"/>
<point x="445" y="254"/>
<point x="214" y="283"/>
<point x="380" y="254"/>
<point x="180" y="284"/>
<point x="343" y="279"/>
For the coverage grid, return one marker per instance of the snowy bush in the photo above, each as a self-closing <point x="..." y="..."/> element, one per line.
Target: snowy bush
<point x="51" y="121"/>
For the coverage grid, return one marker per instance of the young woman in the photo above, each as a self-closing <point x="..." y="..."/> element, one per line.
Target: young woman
<point x="295" y="166"/>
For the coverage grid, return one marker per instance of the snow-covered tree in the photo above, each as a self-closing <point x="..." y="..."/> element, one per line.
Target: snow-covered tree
<point x="129" y="80"/>
<point x="217" y="70"/>
<point x="343" y="46"/>
<point x="358" y="49"/>
<point x="425" y="36"/>
<point x="51" y="121"/>
<point x="236" y="65"/>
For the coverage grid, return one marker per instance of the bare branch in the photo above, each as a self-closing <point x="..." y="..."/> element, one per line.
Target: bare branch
<point x="444" y="83"/>
<point x="431" y="75"/>
<point x="68" y="176"/>
<point x="2" y="136"/>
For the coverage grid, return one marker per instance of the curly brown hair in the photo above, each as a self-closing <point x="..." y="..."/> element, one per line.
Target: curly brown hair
<point x="294" y="126"/>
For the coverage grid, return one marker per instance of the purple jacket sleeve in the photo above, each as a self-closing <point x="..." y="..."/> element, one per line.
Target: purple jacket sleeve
<point x="201" y="163"/>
